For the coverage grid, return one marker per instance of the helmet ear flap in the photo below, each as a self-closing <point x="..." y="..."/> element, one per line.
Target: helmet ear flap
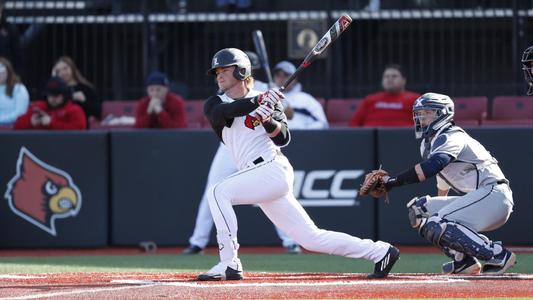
<point x="239" y="73"/>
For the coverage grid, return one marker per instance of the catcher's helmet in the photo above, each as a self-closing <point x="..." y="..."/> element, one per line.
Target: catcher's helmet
<point x="232" y="57"/>
<point x="443" y="108"/>
<point x="527" y="60"/>
<point x="254" y="60"/>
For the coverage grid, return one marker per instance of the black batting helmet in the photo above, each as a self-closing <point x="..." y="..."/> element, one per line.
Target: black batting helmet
<point x="232" y="57"/>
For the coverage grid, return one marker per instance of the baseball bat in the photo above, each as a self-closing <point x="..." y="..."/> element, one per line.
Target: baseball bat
<point x="333" y="33"/>
<point x="260" y="48"/>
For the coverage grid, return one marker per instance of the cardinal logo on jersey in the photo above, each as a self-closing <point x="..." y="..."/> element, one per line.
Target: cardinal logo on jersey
<point x="251" y="122"/>
<point x="40" y="193"/>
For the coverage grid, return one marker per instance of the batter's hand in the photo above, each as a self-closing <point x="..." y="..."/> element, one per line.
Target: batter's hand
<point x="272" y="97"/>
<point x="264" y="112"/>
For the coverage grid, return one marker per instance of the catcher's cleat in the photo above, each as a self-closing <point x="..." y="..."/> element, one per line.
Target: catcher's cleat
<point x="499" y="263"/>
<point x="383" y="267"/>
<point x="468" y="265"/>
<point x="223" y="271"/>
<point x="293" y="249"/>
<point x="193" y="249"/>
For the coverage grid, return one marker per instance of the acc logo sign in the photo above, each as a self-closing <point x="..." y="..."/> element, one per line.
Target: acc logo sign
<point x="326" y="187"/>
<point x="40" y="193"/>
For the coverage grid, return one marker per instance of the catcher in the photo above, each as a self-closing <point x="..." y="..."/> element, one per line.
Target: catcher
<point x="461" y="163"/>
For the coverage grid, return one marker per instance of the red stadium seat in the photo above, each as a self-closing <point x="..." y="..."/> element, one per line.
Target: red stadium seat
<point x="339" y="111"/>
<point x="470" y="111"/>
<point x="511" y="110"/>
<point x="194" y="109"/>
<point x="112" y="112"/>
<point x="322" y="102"/>
<point x="118" y="108"/>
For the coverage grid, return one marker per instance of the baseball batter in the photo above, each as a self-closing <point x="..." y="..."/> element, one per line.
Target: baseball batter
<point x="254" y="128"/>
<point x="223" y="166"/>
<point x="462" y="164"/>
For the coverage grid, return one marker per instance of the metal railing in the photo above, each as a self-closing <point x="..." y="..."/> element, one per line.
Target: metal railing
<point x="461" y="51"/>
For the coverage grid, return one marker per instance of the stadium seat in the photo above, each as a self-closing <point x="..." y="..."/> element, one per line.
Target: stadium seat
<point x="339" y="111"/>
<point x="118" y="108"/>
<point x="322" y="101"/>
<point x="114" y="114"/>
<point x="511" y="110"/>
<point x="194" y="109"/>
<point x="6" y="127"/>
<point x="470" y="111"/>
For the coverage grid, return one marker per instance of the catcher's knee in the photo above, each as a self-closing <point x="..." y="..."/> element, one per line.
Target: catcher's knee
<point x="417" y="211"/>
<point x="432" y="229"/>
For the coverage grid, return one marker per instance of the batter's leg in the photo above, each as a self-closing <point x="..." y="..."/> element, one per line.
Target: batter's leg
<point x="221" y="167"/>
<point x="287" y="214"/>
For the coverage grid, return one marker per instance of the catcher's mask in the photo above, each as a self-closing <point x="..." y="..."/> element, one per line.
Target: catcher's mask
<point x="527" y="60"/>
<point x="443" y="111"/>
<point x="232" y="57"/>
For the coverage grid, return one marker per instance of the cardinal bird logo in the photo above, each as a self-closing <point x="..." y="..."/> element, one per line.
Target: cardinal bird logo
<point x="251" y="122"/>
<point x="41" y="194"/>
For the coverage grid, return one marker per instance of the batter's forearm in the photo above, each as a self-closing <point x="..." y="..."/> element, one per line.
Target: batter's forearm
<point x="278" y="132"/>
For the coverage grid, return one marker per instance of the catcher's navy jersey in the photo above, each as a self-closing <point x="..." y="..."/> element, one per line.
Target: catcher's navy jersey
<point x="472" y="165"/>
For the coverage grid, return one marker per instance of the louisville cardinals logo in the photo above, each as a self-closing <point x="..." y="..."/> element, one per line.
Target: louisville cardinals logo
<point x="251" y="122"/>
<point x="40" y="193"/>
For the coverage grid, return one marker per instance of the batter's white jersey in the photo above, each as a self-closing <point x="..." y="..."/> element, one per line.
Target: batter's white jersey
<point x="246" y="139"/>
<point x="472" y="165"/>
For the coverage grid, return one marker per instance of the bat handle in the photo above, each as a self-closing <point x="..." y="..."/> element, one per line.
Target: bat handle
<point x="293" y="76"/>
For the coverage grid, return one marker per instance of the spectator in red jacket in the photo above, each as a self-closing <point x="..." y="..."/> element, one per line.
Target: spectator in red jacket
<point x="161" y="108"/>
<point x="390" y="107"/>
<point x="57" y="113"/>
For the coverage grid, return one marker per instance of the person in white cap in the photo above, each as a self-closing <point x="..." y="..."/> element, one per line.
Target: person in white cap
<point x="304" y="111"/>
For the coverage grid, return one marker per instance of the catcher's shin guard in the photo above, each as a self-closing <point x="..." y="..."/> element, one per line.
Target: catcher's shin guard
<point x="443" y="233"/>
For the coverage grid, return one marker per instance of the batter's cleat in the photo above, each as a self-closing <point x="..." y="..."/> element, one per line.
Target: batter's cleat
<point x="499" y="263"/>
<point x="223" y="271"/>
<point x="293" y="249"/>
<point x="192" y="250"/>
<point x="469" y="265"/>
<point x="383" y="267"/>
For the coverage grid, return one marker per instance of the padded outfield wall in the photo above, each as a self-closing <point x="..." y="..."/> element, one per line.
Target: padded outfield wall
<point x="124" y="187"/>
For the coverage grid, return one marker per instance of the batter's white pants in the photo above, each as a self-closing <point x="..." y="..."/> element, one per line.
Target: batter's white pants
<point x="269" y="184"/>
<point x="221" y="167"/>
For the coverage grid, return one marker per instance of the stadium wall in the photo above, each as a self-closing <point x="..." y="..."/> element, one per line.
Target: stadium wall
<point x="139" y="186"/>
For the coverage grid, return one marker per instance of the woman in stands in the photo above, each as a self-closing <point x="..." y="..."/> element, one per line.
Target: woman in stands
<point x="14" y="98"/>
<point x="83" y="92"/>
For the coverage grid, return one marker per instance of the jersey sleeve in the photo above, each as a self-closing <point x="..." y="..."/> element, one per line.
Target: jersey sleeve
<point x="284" y="136"/>
<point x="450" y="144"/>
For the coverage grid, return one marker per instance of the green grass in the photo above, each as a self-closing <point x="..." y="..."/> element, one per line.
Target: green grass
<point x="409" y="263"/>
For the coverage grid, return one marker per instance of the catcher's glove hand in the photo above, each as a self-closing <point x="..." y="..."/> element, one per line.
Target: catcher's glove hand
<point x="374" y="185"/>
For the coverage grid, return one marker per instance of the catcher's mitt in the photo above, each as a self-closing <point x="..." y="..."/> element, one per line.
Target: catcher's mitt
<point x="374" y="185"/>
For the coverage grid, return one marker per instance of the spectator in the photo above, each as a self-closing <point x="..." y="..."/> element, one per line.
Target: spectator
<point x="14" y="98"/>
<point x="9" y="40"/>
<point x="303" y="111"/>
<point x="161" y="108"/>
<point x="390" y="107"/>
<point x="83" y="92"/>
<point x="57" y="113"/>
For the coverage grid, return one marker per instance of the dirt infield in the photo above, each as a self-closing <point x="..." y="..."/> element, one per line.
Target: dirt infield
<point x="259" y="286"/>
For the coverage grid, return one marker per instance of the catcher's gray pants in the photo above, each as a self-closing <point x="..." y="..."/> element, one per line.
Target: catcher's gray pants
<point x="484" y="209"/>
